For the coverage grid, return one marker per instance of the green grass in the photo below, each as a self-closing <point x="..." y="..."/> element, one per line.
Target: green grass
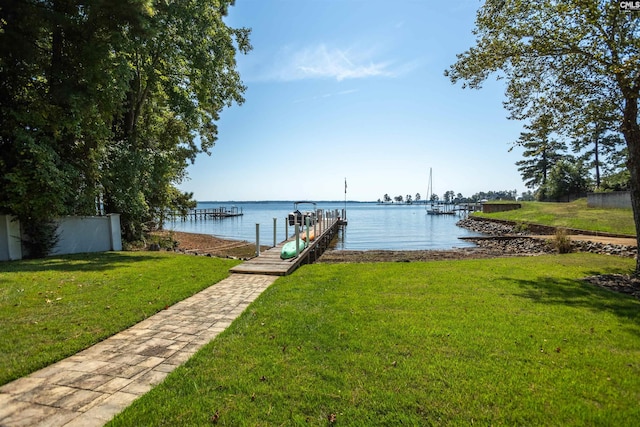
<point x="55" y="307"/>
<point x="517" y="341"/>
<point x="571" y="215"/>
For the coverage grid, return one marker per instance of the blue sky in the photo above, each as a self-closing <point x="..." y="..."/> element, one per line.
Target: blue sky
<point x="355" y="89"/>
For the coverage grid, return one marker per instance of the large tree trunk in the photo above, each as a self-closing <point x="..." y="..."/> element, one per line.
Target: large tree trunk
<point x="631" y="132"/>
<point x="596" y="151"/>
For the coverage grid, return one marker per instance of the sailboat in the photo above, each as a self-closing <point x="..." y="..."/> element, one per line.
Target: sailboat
<point x="434" y="210"/>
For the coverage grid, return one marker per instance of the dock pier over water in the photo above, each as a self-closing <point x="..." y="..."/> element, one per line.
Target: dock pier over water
<point x="210" y="213"/>
<point x="269" y="262"/>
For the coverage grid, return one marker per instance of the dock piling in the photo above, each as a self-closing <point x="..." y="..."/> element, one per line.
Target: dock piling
<point x="206" y="213"/>
<point x="275" y="220"/>
<point x="270" y="261"/>
<point x="257" y="239"/>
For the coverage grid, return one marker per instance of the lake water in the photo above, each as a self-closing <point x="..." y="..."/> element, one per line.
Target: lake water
<point x="371" y="226"/>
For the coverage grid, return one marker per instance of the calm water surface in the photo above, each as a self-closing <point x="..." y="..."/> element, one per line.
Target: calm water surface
<point x="371" y="226"/>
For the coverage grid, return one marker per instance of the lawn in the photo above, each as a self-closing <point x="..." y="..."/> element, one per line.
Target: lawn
<point x="515" y="341"/>
<point x="52" y="308"/>
<point x="571" y="215"/>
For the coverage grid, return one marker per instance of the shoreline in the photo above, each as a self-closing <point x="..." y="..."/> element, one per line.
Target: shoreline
<point x="496" y="246"/>
<point x="498" y="240"/>
<point x="208" y="245"/>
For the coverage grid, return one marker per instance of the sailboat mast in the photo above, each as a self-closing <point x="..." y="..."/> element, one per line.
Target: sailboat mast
<point x="430" y="195"/>
<point x="345" y="198"/>
<point x="429" y="190"/>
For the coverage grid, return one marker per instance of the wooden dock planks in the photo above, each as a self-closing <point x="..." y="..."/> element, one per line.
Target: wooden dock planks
<point x="270" y="263"/>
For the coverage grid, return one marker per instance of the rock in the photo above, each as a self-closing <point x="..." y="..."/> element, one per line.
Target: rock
<point x="486" y="227"/>
<point x="530" y="246"/>
<point x="623" y="283"/>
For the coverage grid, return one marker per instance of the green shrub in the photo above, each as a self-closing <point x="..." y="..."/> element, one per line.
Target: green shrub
<point x="39" y="238"/>
<point x="161" y="241"/>
<point x="520" y="227"/>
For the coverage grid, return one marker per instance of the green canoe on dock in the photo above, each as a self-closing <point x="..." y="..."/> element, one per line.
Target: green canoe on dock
<point x="289" y="249"/>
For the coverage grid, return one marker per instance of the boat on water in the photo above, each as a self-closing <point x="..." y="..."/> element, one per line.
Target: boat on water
<point x="300" y="217"/>
<point x="289" y="248"/>
<point x="435" y="209"/>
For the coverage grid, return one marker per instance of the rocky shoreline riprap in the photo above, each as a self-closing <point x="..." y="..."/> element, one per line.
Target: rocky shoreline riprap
<point x="499" y="239"/>
<point x="623" y="283"/>
<point x="514" y="238"/>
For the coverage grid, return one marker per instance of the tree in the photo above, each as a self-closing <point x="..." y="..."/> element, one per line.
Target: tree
<point x="598" y="140"/>
<point x="567" y="179"/>
<point x="618" y="181"/>
<point x="61" y="80"/>
<point x="106" y="103"/>
<point x="495" y="195"/>
<point x="557" y="57"/>
<point x="448" y="196"/>
<point x="527" y="196"/>
<point x="398" y="199"/>
<point x="409" y="199"/>
<point x="541" y="151"/>
<point x="418" y="198"/>
<point x="183" y="75"/>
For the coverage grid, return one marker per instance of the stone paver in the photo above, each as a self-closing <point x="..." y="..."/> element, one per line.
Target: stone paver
<point x="91" y="387"/>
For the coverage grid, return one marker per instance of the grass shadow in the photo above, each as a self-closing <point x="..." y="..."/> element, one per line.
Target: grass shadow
<point x="577" y="293"/>
<point x="98" y="261"/>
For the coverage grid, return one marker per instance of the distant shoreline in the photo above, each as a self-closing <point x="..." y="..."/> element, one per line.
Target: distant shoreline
<point x="279" y="201"/>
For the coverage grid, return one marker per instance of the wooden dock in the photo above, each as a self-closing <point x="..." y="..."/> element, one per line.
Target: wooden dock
<point x="270" y="263"/>
<point x="210" y="213"/>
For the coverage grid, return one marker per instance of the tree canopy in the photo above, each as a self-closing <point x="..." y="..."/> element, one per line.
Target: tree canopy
<point x="542" y="150"/>
<point x="566" y="179"/>
<point x="106" y="103"/>
<point x="558" y="56"/>
<point x="599" y="140"/>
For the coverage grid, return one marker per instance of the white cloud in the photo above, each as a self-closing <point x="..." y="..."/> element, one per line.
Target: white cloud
<point x="327" y="95"/>
<point x="322" y="62"/>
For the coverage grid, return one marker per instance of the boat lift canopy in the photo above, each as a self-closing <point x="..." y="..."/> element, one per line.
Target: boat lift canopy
<point x="300" y="218"/>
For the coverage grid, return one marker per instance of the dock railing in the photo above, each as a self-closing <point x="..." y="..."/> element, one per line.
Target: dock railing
<point x="206" y="213"/>
<point x="325" y="229"/>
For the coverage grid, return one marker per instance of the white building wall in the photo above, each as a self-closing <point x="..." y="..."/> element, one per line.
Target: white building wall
<point x="76" y="235"/>
<point x="82" y="234"/>
<point x="616" y="199"/>
<point x="10" y="244"/>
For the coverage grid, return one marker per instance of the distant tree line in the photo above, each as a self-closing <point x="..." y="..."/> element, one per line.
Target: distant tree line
<point x="455" y="198"/>
<point x="560" y="162"/>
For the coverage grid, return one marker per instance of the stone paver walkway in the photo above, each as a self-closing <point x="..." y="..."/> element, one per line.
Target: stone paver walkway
<point x="91" y="387"/>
